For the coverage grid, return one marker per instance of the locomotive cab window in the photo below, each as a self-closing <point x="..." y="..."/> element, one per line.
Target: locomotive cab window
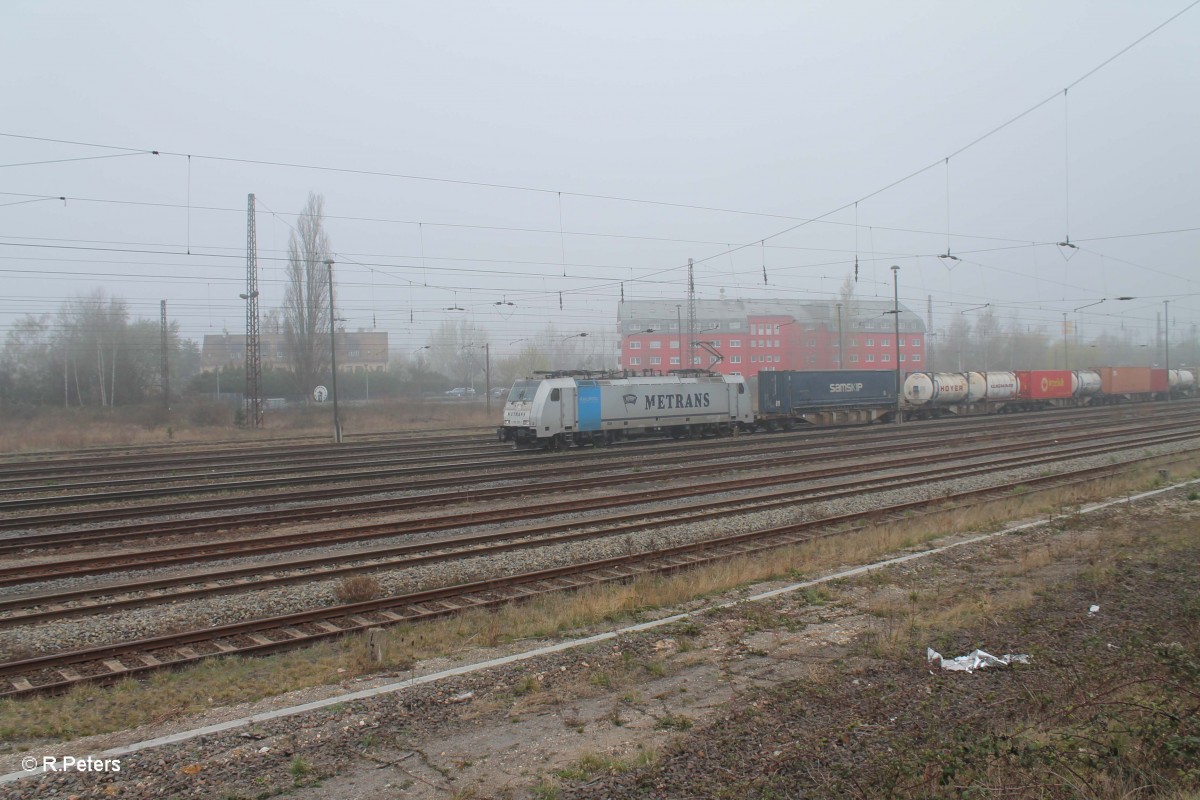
<point x="523" y="391"/>
<point x="555" y="394"/>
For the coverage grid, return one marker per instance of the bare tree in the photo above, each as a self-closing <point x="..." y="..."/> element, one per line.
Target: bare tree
<point x="94" y="325"/>
<point x="306" y="302"/>
<point x="456" y="348"/>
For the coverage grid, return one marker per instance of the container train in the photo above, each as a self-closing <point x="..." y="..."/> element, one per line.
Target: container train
<point x="559" y="409"/>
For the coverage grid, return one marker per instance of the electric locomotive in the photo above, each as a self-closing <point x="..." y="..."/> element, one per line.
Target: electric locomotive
<point x="559" y="409"/>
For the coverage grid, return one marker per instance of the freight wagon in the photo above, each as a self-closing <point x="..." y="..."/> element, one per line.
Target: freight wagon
<point x="561" y="409"/>
<point x="835" y="397"/>
<point x="1121" y="384"/>
<point x="933" y="394"/>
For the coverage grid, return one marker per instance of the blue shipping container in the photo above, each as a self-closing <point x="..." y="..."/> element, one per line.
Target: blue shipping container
<point x="788" y="392"/>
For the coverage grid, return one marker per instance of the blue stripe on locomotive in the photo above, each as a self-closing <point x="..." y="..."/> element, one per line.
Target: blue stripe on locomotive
<point x="784" y="392"/>
<point x="587" y="395"/>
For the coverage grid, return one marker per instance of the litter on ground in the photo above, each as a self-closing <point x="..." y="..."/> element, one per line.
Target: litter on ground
<point x="973" y="660"/>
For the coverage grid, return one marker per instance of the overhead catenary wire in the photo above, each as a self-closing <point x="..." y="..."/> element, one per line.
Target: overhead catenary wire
<point x="762" y="241"/>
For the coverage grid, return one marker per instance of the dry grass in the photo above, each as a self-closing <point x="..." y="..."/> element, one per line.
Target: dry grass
<point x="357" y="589"/>
<point x="48" y="429"/>
<point x="91" y="710"/>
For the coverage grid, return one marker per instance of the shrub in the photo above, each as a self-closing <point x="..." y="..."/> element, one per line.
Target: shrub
<point x="357" y="589"/>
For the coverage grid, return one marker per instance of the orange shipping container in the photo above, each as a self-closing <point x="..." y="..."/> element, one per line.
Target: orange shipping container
<point x="1131" y="380"/>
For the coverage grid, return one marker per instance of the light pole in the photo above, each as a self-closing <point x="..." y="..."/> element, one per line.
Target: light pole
<point x="841" y="357"/>
<point x="896" y="313"/>
<point x="337" y="424"/>
<point x="679" y="327"/>
<point x="1066" y="351"/>
<point x="487" y="371"/>
<point x="1167" y="344"/>
<point x="964" y="311"/>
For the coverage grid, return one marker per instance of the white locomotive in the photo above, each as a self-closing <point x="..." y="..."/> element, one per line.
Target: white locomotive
<point x="564" y="408"/>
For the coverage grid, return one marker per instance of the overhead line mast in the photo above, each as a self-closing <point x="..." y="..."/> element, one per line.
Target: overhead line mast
<point x="254" y="401"/>
<point x="691" y="322"/>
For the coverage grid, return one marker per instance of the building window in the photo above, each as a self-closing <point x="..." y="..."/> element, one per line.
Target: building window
<point x="902" y="357"/>
<point x="674" y="345"/>
<point x="916" y="357"/>
<point x="812" y="342"/>
<point x="754" y="342"/>
<point x="887" y="358"/>
<point x="777" y="343"/>
<point x="776" y="329"/>
<point x="735" y="342"/>
<point x="854" y="358"/>
<point x="870" y="342"/>
<point x="870" y="358"/>
<point x="633" y="362"/>
<point x="674" y="361"/>
<point x="735" y="326"/>
<point x="735" y="359"/>
<point x="884" y="342"/>
<point x="655" y="361"/>
<point x="916" y="342"/>
<point x="635" y="345"/>
<point x="655" y="344"/>
<point x="854" y="342"/>
<point x="812" y="359"/>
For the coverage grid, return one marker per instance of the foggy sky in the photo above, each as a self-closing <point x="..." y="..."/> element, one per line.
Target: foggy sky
<point x="535" y="148"/>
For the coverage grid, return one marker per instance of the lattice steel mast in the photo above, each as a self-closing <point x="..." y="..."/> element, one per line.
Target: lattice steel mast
<point x="691" y="331"/>
<point x="254" y="401"/>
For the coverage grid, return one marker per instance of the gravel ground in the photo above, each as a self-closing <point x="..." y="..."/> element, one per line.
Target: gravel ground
<point x="120" y="626"/>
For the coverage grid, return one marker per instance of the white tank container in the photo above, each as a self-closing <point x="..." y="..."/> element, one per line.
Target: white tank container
<point x="918" y="389"/>
<point x="1180" y="379"/>
<point x="1085" y="382"/>
<point x="949" y="388"/>
<point x="1001" y="385"/>
<point x="976" y="386"/>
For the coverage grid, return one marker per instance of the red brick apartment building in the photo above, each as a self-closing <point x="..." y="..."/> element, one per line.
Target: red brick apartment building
<point x="755" y="336"/>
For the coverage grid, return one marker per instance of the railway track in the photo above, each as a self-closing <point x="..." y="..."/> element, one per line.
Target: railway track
<point x="648" y="470"/>
<point x="32" y="608"/>
<point x="61" y="671"/>
<point x="166" y="455"/>
<point x="409" y="479"/>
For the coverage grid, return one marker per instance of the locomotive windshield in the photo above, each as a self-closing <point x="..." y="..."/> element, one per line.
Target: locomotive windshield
<point x="523" y="391"/>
